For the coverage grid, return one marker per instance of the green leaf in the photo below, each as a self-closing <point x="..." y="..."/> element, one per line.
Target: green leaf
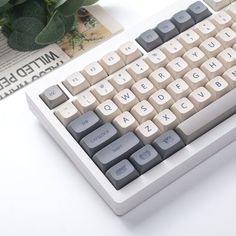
<point x="89" y="2"/>
<point x="17" y="2"/>
<point x="3" y="2"/>
<point x="70" y="7"/>
<point x="54" y="31"/>
<point x="25" y="29"/>
<point x="68" y="22"/>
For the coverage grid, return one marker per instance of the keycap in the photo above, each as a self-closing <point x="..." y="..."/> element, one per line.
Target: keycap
<point x="173" y="48"/>
<point x="222" y="20"/>
<point x="99" y="138"/>
<point x="167" y="30"/>
<point x="121" y="174"/>
<point x="84" y="124"/>
<point x="195" y="57"/>
<point x="145" y="159"/>
<point x="217" y="5"/>
<point x="205" y="29"/>
<point x="53" y="96"/>
<point x="118" y="150"/>
<point x="198" y="11"/>
<point x="168" y="143"/>
<point x="178" y="67"/>
<point x="230" y="76"/>
<point x="227" y="57"/>
<point x="201" y="122"/>
<point x="189" y="39"/>
<point x="149" y="40"/>
<point x="211" y="47"/>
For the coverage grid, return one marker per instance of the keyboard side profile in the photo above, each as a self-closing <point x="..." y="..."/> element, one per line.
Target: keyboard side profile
<point x="201" y="140"/>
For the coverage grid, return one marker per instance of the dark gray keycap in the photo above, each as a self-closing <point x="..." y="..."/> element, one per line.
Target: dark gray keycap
<point x="120" y="149"/>
<point x="208" y="118"/>
<point x="84" y="125"/>
<point x="145" y="158"/>
<point x="99" y="138"/>
<point x="53" y="96"/>
<point x="166" y="30"/>
<point x="121" y="174"/>
<point x="168" y="143"/>
<point x="149" y="40"/>
<point x="183" y="21"/>
<point x="199" y="11"/>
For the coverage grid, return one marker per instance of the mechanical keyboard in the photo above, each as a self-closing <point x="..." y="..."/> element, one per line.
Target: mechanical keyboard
<point x="148" y="105"/>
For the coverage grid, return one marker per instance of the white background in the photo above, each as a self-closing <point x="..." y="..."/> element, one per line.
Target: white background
<point x="42" y="193"/>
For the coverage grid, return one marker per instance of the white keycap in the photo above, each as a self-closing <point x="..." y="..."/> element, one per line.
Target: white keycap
<point x="129" y="52"/>
<point x="86" y="102"/>
<point x="227" y="57"/>
<point x="231" y="10"/>
<point x="143" y="89"/>
<point x="173" y="49"/>
<point x="230" y="76"/>
<point x="205" y="29"/>
<point x="178" y="89"/>
<point x="156" y="59"/>
<point x="66" y="113"/>
<point x="143" y="111"/>
<point x="139" y="69"/>
<point x="227" y="37"/>
<point x="103" y="90"/>
<point x="195" y="57"/>
<point x="189" y="39"/>
<point x="183" y="109"/>
<point x="107" y="111"/>
<point x="112" y="62"/>
<point x="218" y="87"/>
<point x="178" y="67"/>
<point x="125" y="122"/>
<point x="94" y="73"/>
<point x="217" y="4"/>
<point x="211" y="47"/>
<point x="161" y="78"/>
<point x="166" y="120"/>
<point x="125" y="100"/>
<point x="121" y="80"/>
<point x="76" y="83"/>
<point x="222" y="20"/>
<point x="147" y="132"/>
<point x="161" y="100"/>
<point x="201" y="98"/>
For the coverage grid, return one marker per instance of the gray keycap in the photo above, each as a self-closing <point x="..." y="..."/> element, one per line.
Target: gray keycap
<point x="198" y="11"/>
<point x="99" y="138"/>
<point x="145" y="158"/>
<point x="208" y="117"/>
<point x="183" y="21"/>
<point x="121" y="174"/>
<point x="53" y="96"/>
<point x="149" y="40"/>
<point x="120" y="149"/>
<point x="84" y="125"/>
<point x="168" y="143"/>
<point x="166" y="30"/>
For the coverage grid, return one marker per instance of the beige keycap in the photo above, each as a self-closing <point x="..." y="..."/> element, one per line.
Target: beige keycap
<point x="125" y="122"/>
<point x="231" y="10"/>
<point x="143" y="89"/>
<point x="195" y="57"/>
<point x="112" y="62"/>
<point x="201" y="98"/>
<point x="161" y="100"/>
<point x="156" y="59"/>
<point x="178" y="67"/>
<point x="227" y="37"/>
<point x="121" y="80"/>
<point x="76" y="83"/>
<point x="183" y="109"/>
<point x="125" y="100"/>
<point x="94" y="73"/>
<point x="230" y="76"/>
<point x="205" y="29"/>
<point x="66" y="113"/>
<point x="166" y="120"/>
<point x="218" y="87"/>
<point x="212" y="68"/>
<point x="217" y="4"/>
<point x="173" y="49"/>
<point x="108" y="110"/>
<point x="178" y="89"/>
<point x="161" y="78"/>
<point x="139" y="69"/>
<point x="129" y="52"/>
<point x="86" y="102"/>
<point x="143" y="111"/>
<point x="103" y="91"/>
<point x="227" y="57"/>
<point x="147" y="132"/>
<point x="222" y="20"/>
<point x="211" y="47"/>
<point x="189" y="39"/>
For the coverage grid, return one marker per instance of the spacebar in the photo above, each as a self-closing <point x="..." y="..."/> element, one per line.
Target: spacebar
<point x="208" y="118"/>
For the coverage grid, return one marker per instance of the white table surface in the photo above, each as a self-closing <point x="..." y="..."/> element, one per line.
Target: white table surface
<point x="43" y="194"/>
